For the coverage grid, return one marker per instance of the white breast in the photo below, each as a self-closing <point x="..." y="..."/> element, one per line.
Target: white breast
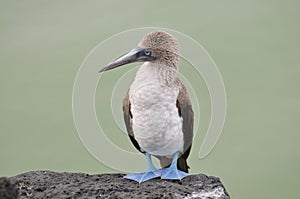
<point x="156" y="124"/>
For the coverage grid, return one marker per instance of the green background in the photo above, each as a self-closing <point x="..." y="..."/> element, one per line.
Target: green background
<point x="256" y="45"/>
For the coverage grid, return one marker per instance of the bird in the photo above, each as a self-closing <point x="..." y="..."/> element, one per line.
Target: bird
<point x="157" y="110"/>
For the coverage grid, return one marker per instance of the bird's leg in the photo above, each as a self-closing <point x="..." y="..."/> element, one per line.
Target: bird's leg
<point x="152" y="172"/>
<point x="172" y="172"/>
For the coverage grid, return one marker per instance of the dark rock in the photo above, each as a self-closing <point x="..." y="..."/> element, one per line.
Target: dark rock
<point x="8" y="190"/>
<point x="48" y="184"/>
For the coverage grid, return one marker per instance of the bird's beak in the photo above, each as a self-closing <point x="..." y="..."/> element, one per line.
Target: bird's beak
<point x="135" y="55"/>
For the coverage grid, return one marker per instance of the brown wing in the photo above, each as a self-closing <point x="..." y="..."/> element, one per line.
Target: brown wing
<point x="128" y="120"/>
<point x="185" y="111"/>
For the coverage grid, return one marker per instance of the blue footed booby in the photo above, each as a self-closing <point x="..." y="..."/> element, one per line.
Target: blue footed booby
<point x="157" y="109"/>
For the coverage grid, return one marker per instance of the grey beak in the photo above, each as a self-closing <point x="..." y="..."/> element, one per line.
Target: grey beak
<point x="135" y="55"/>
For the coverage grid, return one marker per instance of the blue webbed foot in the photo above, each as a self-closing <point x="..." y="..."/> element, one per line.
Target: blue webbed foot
<point x="172" y="173"/>
<point x="143" y="176"/>
<point x="151" y="173"/>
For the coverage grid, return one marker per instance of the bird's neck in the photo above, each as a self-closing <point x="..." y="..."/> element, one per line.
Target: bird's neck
<point x="159" y="73"/>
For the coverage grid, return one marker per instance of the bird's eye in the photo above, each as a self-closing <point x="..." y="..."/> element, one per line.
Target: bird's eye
<point x="147" y="52"/>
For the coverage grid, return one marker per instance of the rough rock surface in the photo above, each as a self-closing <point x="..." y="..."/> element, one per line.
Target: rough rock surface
<point x="48" y="184"/>
<point x="8" y="189"/>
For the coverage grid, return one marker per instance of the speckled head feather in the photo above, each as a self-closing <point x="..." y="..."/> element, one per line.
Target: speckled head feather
<point x="164" y="47"/>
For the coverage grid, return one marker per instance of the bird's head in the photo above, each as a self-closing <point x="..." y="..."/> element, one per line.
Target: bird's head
<point x="156" y="47"/>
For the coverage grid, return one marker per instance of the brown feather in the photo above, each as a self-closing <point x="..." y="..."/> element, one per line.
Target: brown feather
<point x="128" y="121"/>
<point x="185" y="111"/>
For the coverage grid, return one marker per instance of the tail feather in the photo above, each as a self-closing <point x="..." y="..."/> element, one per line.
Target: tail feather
<point x="181" y="163"/>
